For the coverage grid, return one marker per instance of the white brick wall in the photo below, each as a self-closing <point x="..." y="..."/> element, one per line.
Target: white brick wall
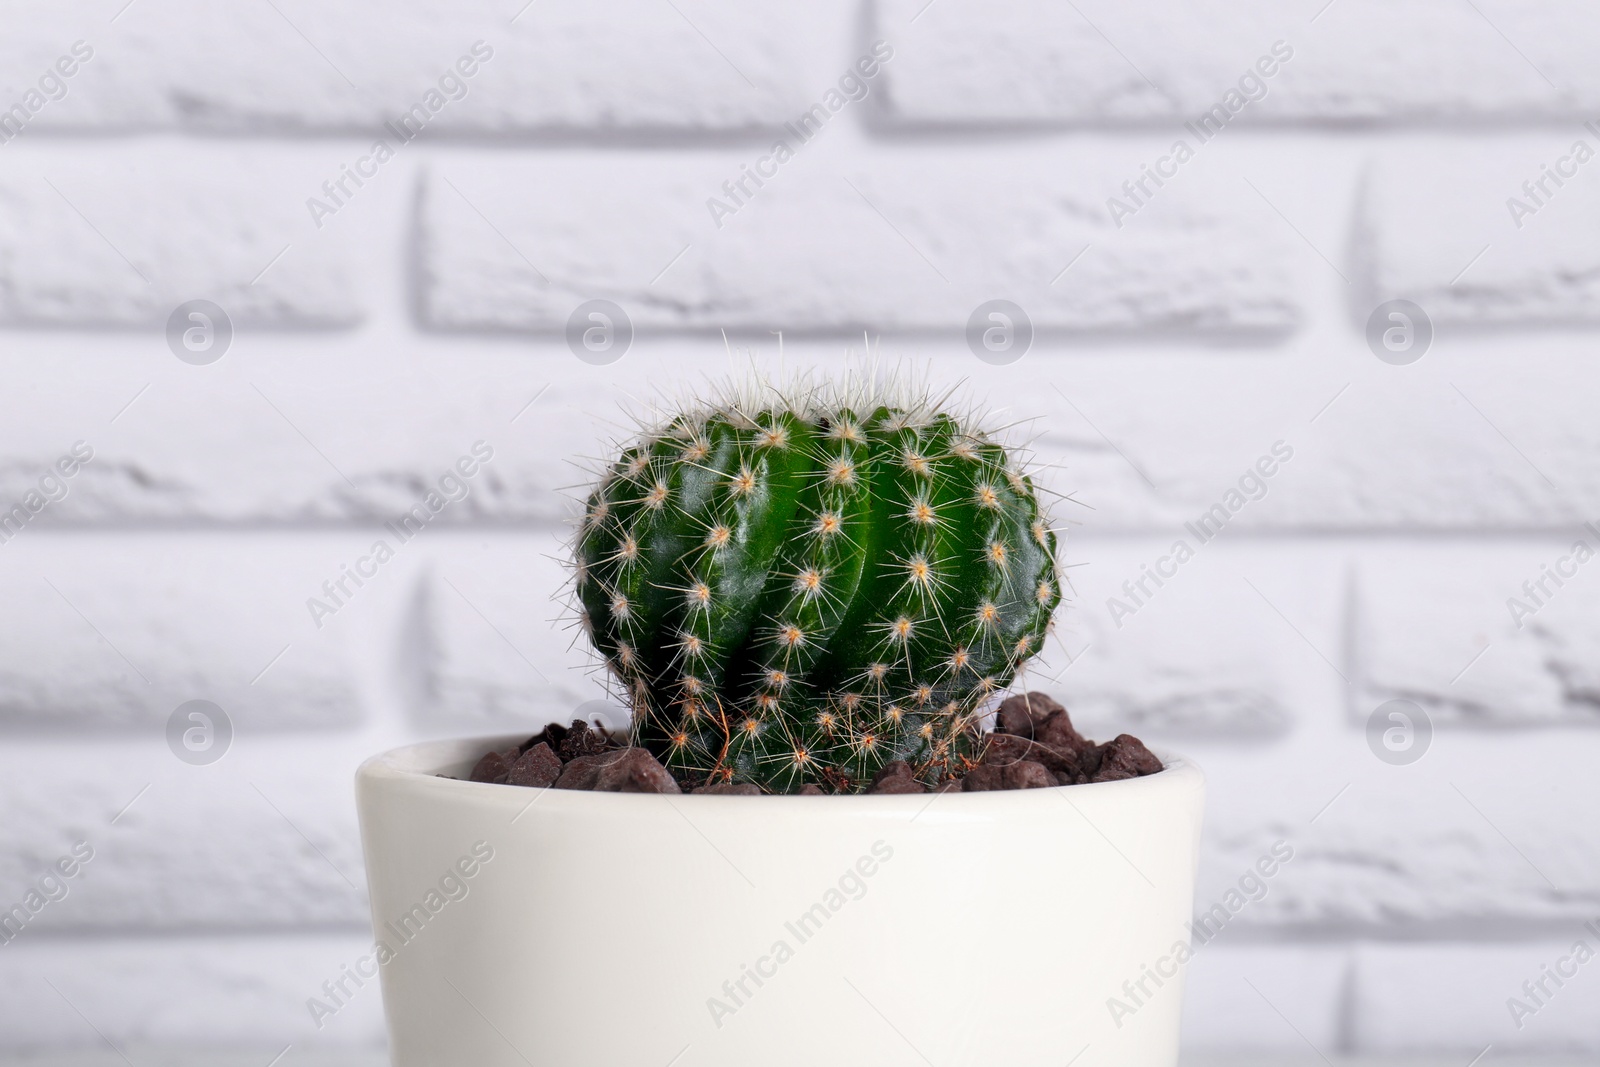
<point x="895" y="237"/>
<point x="381" y="335"/>
<point x="1101" y="62"/>
<point x="296" y="67"/>
<point x="90" y="243"/>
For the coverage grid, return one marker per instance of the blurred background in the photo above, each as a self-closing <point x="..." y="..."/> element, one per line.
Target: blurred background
<point x="1310" y="287"/>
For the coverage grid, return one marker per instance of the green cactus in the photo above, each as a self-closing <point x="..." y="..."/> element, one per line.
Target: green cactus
<point x="800" y="593"/>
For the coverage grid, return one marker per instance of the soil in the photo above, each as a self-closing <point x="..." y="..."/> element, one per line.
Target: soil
<point x="1034" y="745"/>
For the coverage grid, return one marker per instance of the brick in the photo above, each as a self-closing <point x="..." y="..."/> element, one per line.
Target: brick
<point x="1152" y="661"/>
<point x="1101" y="62"/>
<point x="893" y="238"/>
<point x="1399" y="449"/>
<point x="158" y="462"/>
<point x="1457" y="446"/>
<point x="181" y="995"/>
<point x="90" y="241"/>
<point x="1452" y="443"/>
<point x="503" y="650"/>
<point x="1306" y="983"/>
<point x="114" y="632"/>
<point x="1452" y="846"/>
<point x="1464" y="631"/>
<point x="1414" y="998"/>
<point x="323" y="446"/>
<point x="314" y="420"/>
<point x="264" y="839"/>
<point x="1466" y="233"/>
<point x="622" y="64"/>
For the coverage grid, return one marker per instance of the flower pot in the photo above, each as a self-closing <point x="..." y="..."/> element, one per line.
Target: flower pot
<point x="553" y="928"/>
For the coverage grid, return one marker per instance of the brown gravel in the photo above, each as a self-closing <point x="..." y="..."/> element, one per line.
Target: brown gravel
<point x="538" y="766"/>
<point x="1034" y="745"/>
<point x="896" y="777"/>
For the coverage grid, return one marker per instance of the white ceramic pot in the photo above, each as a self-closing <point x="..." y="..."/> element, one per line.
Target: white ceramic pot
<point x="552" y="928"/>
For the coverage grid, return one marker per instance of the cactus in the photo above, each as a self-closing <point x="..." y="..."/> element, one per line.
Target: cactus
<point x="801" y="592"/>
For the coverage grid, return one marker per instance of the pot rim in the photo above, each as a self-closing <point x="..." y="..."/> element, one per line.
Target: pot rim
<point x="419" y="765"/>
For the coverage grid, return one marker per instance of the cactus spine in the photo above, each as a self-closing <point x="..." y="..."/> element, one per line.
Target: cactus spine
<point x="801" y="593"/>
